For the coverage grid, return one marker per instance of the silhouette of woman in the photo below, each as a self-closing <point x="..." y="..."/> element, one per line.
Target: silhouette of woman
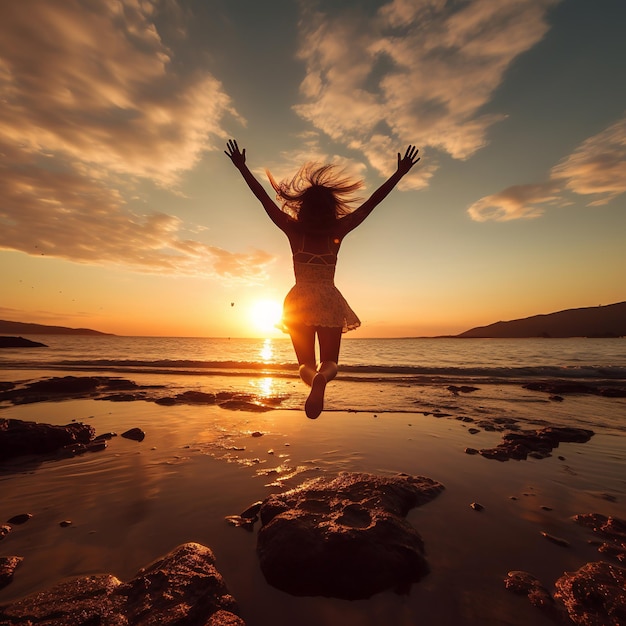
<point x="316" y="216"/>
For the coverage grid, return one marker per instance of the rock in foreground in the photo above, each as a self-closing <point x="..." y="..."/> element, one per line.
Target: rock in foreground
<point x="594" y="595"/>
<point x="345" y="538"/>
<point x="18" y="437"/>
<point x="181" y="588"/>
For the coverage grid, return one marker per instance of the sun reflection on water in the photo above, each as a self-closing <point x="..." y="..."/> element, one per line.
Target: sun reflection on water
<point x="267" y="351"/>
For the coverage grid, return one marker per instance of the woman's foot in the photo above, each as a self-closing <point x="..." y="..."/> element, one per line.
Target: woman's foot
<point x="314" y="404"/>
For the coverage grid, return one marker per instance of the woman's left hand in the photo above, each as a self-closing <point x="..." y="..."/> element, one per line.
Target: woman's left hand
<point x="408" y="161"/>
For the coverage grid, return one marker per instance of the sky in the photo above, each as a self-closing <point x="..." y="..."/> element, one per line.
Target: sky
<point x="119" y="210"/>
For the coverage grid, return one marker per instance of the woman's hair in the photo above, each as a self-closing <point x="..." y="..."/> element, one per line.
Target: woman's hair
<point x="317" y="195"/>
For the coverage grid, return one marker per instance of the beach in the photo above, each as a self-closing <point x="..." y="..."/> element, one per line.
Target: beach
<point x="201" y="463"/>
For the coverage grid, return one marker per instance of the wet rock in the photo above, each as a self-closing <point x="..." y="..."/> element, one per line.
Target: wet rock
<point x="8" y="565"/>
<point x="524" y="583"/>
<point x="17" y="520"/>
<point x="557" y="540"/>
<point x="20" y="342"/>
<point x="5" y="529"/>
<point x="19" y="438"/>
<point x="65" y="387"/>
<point x="538" y="444"/>
<point x="473" y="431"/>
<point x="560" y="388"/>
<point x="612" y="530"/>
<point x="184" y="587"/>
<point x="252" y="512"/>
<point x="241" y="522"/>
<point x="136" y="434"/>
<point x="594" y="595"/>
<point x="65" y="523"/>
<point x="477" y="506"/>
<point x="345" y="538"/>
<point x="244" y="405"/>
<point x="471" y="451"/>
<point x="463" y="389"/>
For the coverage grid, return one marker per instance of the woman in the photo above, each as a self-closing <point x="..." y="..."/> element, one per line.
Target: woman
<point x="315" y="216"/>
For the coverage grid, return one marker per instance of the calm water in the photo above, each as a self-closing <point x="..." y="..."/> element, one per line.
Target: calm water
<point x="133" y="502"/>
<point x="376" y="375"/>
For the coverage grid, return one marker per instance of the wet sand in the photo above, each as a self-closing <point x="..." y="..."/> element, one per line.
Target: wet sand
<point x="135" y="501"/>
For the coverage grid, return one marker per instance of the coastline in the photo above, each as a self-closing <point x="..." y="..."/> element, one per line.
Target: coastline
<point x="135" y="501"/>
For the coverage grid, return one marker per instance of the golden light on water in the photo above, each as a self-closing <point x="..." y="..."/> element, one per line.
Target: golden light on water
<point x="267" y="351"/>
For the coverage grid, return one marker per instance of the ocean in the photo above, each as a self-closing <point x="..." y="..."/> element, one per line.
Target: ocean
<point x="376" y="375"/>
<point x="409" y="406"/>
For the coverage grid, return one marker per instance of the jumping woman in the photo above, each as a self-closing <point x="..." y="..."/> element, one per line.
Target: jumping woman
<point x="316" y="216"/>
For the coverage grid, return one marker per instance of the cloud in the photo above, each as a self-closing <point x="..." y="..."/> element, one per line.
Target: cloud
<point x="596" y="168"/>
<point x="93" y="101"/>
<point x="94" y="84"/>
<point x="68" y="216"/>
<point x="516" y="202"/>
<point x="418" y="71"/>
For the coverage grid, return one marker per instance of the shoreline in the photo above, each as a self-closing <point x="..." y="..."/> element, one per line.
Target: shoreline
<point x="135" y="501"/>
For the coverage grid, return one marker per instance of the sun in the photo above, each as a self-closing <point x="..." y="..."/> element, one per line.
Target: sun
<point x="265" y="314"/>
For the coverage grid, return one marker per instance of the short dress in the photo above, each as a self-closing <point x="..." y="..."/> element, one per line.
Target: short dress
<point x="315" y="301"/>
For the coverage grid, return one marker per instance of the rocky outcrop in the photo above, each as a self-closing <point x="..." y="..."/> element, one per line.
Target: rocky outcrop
<point x="20" y="342"/>
<point x="345" y="538"/>
<point x="8" y="565"/>
<point x="594" y="595"/>
<point x="184" y="587"/>
<point x="611" y="530"/>
<point x="534" y="443"/>
<point x="18" y="437"/>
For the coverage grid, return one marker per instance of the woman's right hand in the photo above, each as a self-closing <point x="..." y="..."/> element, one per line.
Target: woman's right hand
<point x="408" y="161"/>
<point x="235" y="155"/>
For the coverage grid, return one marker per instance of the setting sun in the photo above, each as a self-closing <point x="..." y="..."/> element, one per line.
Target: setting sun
<point x="265" y="314"/>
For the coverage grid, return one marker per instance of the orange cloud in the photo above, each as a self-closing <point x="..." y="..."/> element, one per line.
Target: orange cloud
<point x="516" y="202"/>
<point x="94" y="84"/>
<point x="414" y="72"/>
<point x="68" y="216"/>
<point x="596" y="168"/>
<point x="92" y="100"/>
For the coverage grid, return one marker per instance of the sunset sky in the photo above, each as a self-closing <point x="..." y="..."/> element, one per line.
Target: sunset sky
<point x="119" y="210"/>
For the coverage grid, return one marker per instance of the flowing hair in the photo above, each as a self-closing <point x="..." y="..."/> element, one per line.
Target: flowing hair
<point x="317" y="195"/>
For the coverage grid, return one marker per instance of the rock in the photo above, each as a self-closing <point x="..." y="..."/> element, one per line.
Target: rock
<point x="560" y="388"/>
<point x="471" y="451"/>
<point x="594" y="595"/>
<point x="252" y="512"/>
<point x="22" y="518"/>
<point x="65" y="523"/>
<point x="537" y="444"/>
<point x="256" y="433"/>
<point x="8" y="565"/>
<point x="18" y="437"/>
<point x="526" y="584"/>
<point x="473" y="431"/>
<point x="477" y="506"/>
<point x="20" y="342"/>
<point x="611" y="529"/>
<point x="344" y="538"/>
<point x="557" y="540"/>
<point x="136" y="434"/>
<point x="184" y="587"/>
<point x="65" y="387"/>
<point x="5" y="529"/>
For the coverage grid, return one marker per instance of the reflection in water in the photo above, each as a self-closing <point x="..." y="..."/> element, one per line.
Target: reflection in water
<point x="267" y="351"/>
<point x="264" y="388"/>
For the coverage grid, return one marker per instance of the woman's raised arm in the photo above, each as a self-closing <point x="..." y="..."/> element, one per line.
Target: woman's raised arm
<point x="405" y="163"/>
<point x="238" y="157"/>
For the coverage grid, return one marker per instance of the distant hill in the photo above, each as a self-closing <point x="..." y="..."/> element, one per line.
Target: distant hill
<point x="600" y="321"/>
<point x="23" y="328"/>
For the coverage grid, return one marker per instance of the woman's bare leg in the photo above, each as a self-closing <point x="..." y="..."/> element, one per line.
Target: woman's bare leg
<point x="303" y="340"/>
<point x="330" y="342"/>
